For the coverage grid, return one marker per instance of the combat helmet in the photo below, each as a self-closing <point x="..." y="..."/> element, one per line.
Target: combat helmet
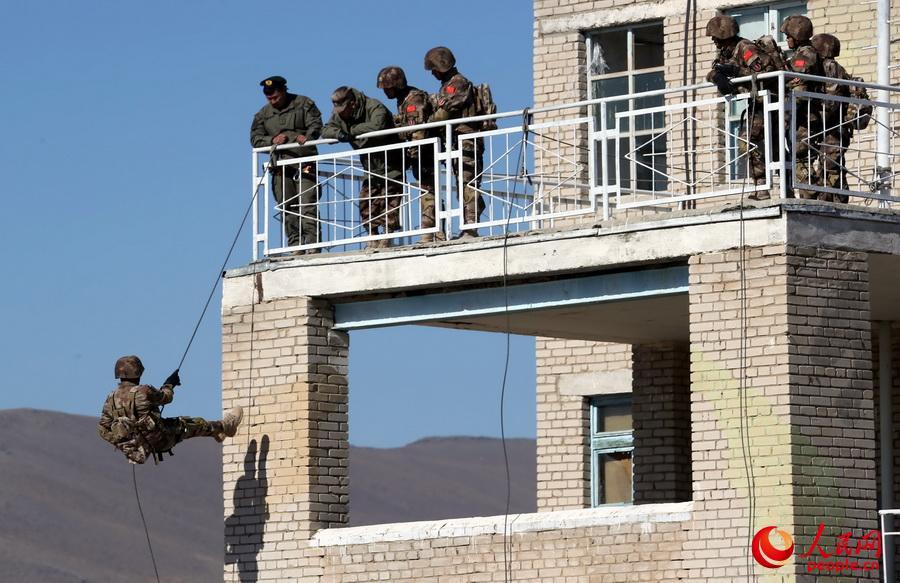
<point x="129" y="367"/>
<point x="827" y="45"/>
<point x="439" y="59"/>
<point x="800" y="28"/>
<point x="392" y="78"/>
<point x="722" y="27"/>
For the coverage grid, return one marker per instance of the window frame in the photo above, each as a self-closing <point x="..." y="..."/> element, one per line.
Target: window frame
<point x="632" y="136"/>
<point x="608" y="442"/>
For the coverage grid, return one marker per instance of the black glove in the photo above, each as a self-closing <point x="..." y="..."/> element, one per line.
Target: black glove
<point x="343" y="136"/>
<point x="173" y="379"/>
<point x="723" y="83"/>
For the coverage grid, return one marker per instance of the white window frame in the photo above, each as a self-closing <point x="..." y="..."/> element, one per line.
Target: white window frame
<point x="630" y="73"/>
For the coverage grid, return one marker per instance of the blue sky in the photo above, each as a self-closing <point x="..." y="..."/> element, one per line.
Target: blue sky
<point x="126" y="169"/>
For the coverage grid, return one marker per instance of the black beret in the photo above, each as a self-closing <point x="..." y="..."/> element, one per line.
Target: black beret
<point x="274" y="82"/>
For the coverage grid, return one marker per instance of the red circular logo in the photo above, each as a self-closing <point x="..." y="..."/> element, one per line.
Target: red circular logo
<point x="766" y="554"/>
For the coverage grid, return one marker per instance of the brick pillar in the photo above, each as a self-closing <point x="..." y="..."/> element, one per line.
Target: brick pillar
<point x="661" y="404"/>
<point x="285" y="473"/>
<point x="804" y="421"/>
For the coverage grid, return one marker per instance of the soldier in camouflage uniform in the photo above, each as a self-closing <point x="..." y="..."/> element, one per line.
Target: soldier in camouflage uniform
<point x="414" y="107"/>
<point x="841" y="119"/>
<point x="381" y="195"/>
<point x="291" y="118"/>
<point x="454" y="100"/>
<point x="739" y="57"/>
<point x="807" y="115"/>
<point x="131" y="419"/>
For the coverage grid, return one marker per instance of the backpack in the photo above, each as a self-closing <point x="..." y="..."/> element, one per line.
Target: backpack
<point x="128" y="431"/>
<point x="769" y="46"/>
<point x="484" y="105"/>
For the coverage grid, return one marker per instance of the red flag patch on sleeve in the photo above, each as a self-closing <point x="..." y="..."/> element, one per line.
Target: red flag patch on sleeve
<point x="799" y="63"/>
<point x="747" y="54"/>
<point x="451" y="89"/>
<point x="410" y="108"/>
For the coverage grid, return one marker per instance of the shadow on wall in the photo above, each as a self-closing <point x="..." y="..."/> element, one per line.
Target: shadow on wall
<point x="245" y="527"/>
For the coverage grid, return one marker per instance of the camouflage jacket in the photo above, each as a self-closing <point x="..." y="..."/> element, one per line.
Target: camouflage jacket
<point x="299" y="117"/>
<point x="805" y="60"/>
<point x="748" y="58"/>
<point x="414" y="109"/>
<point x="831" y="68"/>
<point x="370" y="115"/>
<point x="454" y="100"/>
<point x="131" y="404"/>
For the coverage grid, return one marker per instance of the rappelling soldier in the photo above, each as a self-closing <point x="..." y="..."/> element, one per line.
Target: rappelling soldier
<point x="739" y="57"/>
<point x="414" y="107"/>
<point x="131" y="419"/>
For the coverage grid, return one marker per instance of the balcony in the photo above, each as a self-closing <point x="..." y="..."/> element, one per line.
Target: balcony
<point x="632" y="157"/>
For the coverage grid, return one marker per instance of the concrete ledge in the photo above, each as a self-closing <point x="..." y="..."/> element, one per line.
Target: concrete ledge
<point x="646" y="515"/>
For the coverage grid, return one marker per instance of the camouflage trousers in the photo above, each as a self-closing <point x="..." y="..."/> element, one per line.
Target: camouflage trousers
<point x="472" y="163"/>
<point x="174" y="430"/>
<point x="806" y="152"/>
<point x="297" y="199"/>
<point x="832" y="162"/>
<point x="422" y="168"/>
<point x="379" y="205"/>
<point x="756" y="121"/>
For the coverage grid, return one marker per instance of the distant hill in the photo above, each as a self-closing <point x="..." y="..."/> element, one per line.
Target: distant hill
<point x="68" y="512"/>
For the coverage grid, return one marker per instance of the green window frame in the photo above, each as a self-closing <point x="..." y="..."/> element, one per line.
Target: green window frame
<point x="612" y="449"/>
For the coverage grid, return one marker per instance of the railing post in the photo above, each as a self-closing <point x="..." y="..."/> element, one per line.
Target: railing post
<point x="604" y="156"/>
<point x="255" y="186"/>
<point x="782" y="151"/>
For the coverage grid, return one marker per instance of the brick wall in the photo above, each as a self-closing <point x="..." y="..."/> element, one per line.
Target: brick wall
<point x="662" y="422"/>
<point x="622" y="550"/>
<point x="563" y="420"/>
<point x="285" y="473"/>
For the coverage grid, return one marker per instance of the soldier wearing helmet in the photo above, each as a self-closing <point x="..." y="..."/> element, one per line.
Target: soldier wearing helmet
<point x="413" y="108"/>
<point x="381" y="193"/>
<point x="454" y="100"/>
<point x="132" y="421"/>
<point x="739" y="57"/>
<point x="290" y="118"/>
<point x="840" y="118"/>
<point x="798" y="31"/>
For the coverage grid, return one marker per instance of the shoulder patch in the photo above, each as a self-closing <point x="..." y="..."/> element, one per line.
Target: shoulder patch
<point x="799" y="63"/>
<point x="451" y="89"/>
<point x="747" y="54"/>
<point x="410" y="108"/>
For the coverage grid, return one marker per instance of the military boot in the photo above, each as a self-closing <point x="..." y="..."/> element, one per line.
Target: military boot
<point x="230" y="423"/>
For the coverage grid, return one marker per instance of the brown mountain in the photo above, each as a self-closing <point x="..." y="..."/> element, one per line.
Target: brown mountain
<point x="68" y="511"/>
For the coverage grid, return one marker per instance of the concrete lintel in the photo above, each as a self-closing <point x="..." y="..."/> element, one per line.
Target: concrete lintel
<point x="638" y="12"/>
<point x="843" y="227"/>
<point x="588" y="384"/>
<point x="515" y="298"/>
<point x="613" y="246"/>
<point x="645" y="514"/>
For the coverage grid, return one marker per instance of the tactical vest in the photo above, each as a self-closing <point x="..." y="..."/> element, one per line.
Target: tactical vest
<point x="129" y="431"/>
<point x="484" y="105"/>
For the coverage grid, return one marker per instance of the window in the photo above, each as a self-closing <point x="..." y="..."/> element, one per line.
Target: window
<point x="622" y="61"/>
<point x="612" y="445"/>
<point x="757" y="21"/>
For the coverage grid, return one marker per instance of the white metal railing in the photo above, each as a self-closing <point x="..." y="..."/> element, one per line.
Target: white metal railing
<point x="648" y="152"/>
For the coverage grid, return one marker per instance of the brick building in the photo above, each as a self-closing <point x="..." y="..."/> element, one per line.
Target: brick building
<point x="701" y="372"/>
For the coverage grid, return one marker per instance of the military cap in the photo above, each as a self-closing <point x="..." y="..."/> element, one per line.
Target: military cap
<point x="270" y="84"/>
<point x="341" y="98"/>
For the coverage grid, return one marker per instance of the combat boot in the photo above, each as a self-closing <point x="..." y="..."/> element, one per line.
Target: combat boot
<point x="230" y="423"/>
